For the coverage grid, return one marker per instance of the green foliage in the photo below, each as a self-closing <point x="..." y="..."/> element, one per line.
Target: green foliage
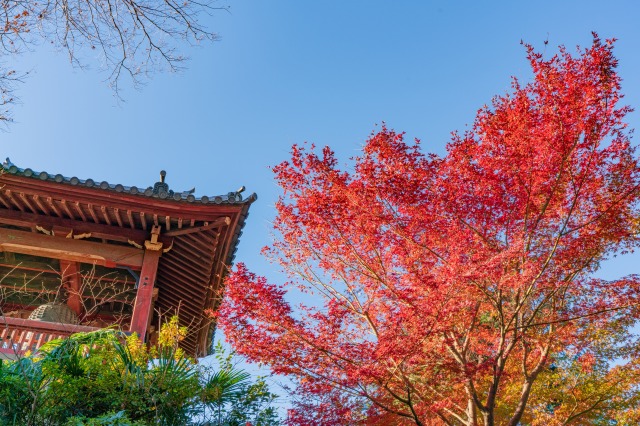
<point x="15" y="396"/>
<point x="107" y="378"/>
<point x="111" y="419"/>
<point x="232" y="399"/>
<point x="252" y="405"/>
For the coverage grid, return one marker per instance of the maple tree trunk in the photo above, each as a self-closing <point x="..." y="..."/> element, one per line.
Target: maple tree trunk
<point x="528" y="383"/>
<point x="472" y="413"/>
<point x="526" y="390"/>
<point x="488" y="418"/>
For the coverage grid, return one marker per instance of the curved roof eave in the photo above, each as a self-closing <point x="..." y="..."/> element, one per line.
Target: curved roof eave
<point x="160" y="190"/>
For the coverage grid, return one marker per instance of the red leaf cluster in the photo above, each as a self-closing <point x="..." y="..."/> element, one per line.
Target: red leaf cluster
<point x="441" y="283"/>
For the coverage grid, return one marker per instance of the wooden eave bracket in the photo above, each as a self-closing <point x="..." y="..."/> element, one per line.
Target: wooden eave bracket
<point x="45" y="231"/>
<point x="154" y="244"/>
<point x="136" y="245"/>
<point x="78" y="236"/>
<point x="166" y="250"/>
<point x="69" y="235"/>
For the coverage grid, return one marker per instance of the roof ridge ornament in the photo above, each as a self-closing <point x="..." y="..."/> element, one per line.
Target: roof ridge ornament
<point x="161" y="189"/>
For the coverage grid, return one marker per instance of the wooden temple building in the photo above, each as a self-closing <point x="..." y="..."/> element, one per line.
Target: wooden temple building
<point x="78" y="255"/>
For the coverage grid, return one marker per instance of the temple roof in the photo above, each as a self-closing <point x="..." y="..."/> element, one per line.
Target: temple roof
<point x="201" y="233"/>
<point x="159" y="190"/>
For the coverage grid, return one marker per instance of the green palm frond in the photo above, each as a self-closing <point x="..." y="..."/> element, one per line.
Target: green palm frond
<point x="224" y="386"/>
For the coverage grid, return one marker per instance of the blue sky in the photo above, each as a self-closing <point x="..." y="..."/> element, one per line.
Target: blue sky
<point x="285" y="72"/>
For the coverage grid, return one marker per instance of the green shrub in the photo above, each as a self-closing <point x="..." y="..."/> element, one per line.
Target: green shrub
<point x="107" y="378"/>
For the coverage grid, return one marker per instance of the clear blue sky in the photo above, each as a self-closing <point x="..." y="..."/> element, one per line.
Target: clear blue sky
<point x="285" y="72"/>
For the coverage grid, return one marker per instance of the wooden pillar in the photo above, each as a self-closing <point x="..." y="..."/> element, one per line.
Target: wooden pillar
<point x="143" y="307"/>
<point x="72" y="281"/>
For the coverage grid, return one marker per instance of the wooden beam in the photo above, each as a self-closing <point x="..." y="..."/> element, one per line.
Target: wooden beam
<point x="194" y="254"/>
<point x="93" y="213"/>
<point x="25" y="200"/>
<point x="105" y="214"/>
<point x="80" y="211"/>
<point x="67" y="210"/>
<point x="206" y="245"/>
<point x="116" y="213"/>
<point x="132" y="223"/>
<point x="223" y="221"/>
<point x="22" y="266"/>
<point x="3" y="201"/>
<point x="41" y="205"/>
<point x="35" y="325"/>
<point x="198" y="271"/>
<point x="70" y="249"/>
<point x="10" y="290"/>
<point x="186" y="284"/>
<point x="71" y="280"/>
<point x="52" y="203"/>
<point x="13" y="200"/>
<point x="143" y="307"/>
<point x="63" y="226"/>
<point x="171" y="303"/>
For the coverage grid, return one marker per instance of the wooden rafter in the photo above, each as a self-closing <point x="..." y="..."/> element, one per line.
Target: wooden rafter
<point x="27" y="203"/>
<point x="14" y="201"/>
<point x="55" y="209"/>
<point x="41" y="205"/>
<point x="67" y="210"/>
<point x="64" y="226"/>
<point x="223" y="221"/>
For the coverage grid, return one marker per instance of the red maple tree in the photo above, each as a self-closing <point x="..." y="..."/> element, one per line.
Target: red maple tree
<point x="446" y="287"/>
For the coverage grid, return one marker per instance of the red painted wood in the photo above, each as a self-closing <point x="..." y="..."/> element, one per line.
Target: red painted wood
<point x="71" y="277"/>
<point x="47" y="327"/>
<point x="142" y="309"/>
<point x="69" y="249"/>
<point x="212" y="248"/>
<point x="21" y="335"/>
<point x="120" y="200"/>
<point x="62" y="226"/>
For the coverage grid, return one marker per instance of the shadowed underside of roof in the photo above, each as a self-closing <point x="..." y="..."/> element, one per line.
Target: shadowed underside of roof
<point x="199" y="234"/>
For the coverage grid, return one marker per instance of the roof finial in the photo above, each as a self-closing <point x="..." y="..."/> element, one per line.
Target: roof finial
<point x="161" y="189"/>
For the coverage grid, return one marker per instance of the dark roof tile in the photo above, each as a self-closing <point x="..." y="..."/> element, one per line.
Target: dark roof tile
<point x="159" y="190"/>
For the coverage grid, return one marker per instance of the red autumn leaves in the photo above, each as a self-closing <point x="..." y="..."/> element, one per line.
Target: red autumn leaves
<point x="442" y="289"/>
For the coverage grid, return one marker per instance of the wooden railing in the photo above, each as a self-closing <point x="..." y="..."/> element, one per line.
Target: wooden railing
<point x="18" y="335"/>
